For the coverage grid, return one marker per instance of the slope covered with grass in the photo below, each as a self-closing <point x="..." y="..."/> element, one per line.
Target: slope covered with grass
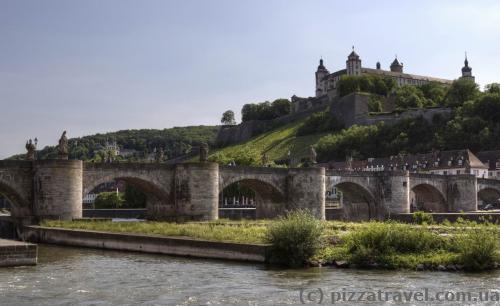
<point x="275" y="143"/>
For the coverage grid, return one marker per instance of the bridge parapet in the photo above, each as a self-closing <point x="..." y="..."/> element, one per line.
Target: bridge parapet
<point x="16" y="164"/>
<point x="127" y="166"/>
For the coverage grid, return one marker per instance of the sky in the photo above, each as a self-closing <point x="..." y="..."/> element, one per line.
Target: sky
<point x="95" y="66"/>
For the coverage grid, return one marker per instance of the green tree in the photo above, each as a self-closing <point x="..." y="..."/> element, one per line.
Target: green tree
<point x="347" y="85"/>
<point x="461" y="91"/>
<point x="493" y="88"/>
<point x="281" y="107"/>
<point x="434" y="93"/>
<point x="408" y="96"/>
<point x="228" y="118"/>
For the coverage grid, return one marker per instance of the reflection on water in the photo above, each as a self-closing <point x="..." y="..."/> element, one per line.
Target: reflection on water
<point x="80" y="276"/>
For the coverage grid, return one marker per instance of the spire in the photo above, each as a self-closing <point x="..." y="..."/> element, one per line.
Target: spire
<point x="466" y="70"/>
<point x="321" y="66"/>
<point x="353" y="54"/>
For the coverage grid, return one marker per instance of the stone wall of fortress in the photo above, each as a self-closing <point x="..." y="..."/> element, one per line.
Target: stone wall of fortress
<point x="353" y="109"/>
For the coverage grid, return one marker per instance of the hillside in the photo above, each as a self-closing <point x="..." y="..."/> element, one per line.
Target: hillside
<point x="138" y="144"/>
<point x="275" y="143"/>
<point x="474" y="124"/>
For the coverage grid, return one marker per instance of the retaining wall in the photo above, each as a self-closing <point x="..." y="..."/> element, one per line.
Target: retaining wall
<point x="147" y="244"/>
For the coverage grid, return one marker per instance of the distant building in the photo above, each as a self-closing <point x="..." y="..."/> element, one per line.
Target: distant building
<point x="438" y="162"/>
<point x="127" y="152"/>
<point x="89" y="198"/>
<point x="326" y="82"/>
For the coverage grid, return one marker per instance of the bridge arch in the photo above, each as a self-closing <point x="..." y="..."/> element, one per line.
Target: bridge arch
<point x="159" y="200"/>
<point x="269" y="201"/>
<point x="426" y="197"/>
<point x="19" y="205"/>
<point x="488" y="195"/>
<point x="358" y="202"/>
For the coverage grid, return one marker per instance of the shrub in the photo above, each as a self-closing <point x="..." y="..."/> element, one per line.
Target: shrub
<point x="109" y="200"/>
<point x="295" y="238"/>
<point x="477" y="248"/>
<point x="378" y="241"/>
<point x="420" y="217"/>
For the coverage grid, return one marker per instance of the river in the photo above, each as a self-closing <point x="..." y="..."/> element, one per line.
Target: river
<point x="78" y="276"/>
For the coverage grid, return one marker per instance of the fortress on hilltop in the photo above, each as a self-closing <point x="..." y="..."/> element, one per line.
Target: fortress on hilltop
<point x="352" y="108"/>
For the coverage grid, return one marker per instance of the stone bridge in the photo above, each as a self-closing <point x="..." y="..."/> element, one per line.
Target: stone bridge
<point x="191" y="191"/>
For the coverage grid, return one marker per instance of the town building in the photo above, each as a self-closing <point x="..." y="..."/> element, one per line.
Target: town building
<point x="452" y="162"/>
<point x="492" y="160"/>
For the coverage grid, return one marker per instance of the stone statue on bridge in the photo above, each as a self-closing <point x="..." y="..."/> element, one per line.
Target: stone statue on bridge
<point x="31" y="148"/>
<point x="62" y="148"/>
<point x="204" y="152"/>
<point x="265" y="159"/>
<point x="159" y="155"/>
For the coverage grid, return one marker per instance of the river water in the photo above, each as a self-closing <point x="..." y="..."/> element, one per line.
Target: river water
<point x="78" y="276"/>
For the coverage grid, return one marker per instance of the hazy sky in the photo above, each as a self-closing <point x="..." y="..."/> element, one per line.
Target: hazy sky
<point x="97" y="66"/>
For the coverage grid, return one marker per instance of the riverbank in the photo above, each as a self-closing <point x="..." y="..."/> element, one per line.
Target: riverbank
<point x="382" y="245"/>
<point x="178" y="246"/>
<point x="16" y="253"/>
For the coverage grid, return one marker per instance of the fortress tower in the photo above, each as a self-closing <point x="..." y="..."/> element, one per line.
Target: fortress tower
<point x="353" y="63"/>
<point x="321" y="72"/>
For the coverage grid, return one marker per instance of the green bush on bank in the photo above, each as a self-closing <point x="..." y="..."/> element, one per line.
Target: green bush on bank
<point x="377" y="241"/>
<point x="420" y="217"/>
<point x="477" y="248"/>
<point x="295" y="238"/>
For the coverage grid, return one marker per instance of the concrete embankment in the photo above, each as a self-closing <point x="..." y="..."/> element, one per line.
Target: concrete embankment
<point x="147" y="244"/>
<point x="16" y="253"/>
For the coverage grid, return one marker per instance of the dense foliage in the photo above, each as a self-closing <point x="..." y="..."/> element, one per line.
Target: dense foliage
<point x="474" y="124"/>
<point x="365" y="83"/>
<point x="320" y="122"/>
<point x="175" y="141"/>
<point x="265" y="110"/>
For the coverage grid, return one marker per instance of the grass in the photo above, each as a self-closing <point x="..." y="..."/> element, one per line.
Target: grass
<point x="394" y="245"/>
<point x="384" y="244"/>
<point x="214" y="231"/>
